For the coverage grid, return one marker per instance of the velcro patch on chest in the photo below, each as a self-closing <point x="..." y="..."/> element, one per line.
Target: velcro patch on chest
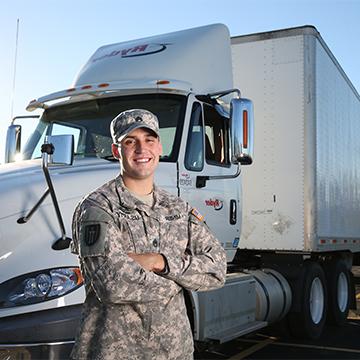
<point x="172" y="217"/>
<point x="127" y="214"/>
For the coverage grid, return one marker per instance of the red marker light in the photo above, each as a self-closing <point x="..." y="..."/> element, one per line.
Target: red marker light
<point x="163" y="82"/>
<point x="245" y="129"/>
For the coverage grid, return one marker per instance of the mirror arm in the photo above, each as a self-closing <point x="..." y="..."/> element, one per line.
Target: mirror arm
<point x="201" y="180"/>
<point x="26" y="218"/>
<point x="24" y="117"/>
<point x="63" y="242"/>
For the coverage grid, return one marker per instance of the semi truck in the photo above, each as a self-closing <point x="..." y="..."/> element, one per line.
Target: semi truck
<point x="260" y="133"/>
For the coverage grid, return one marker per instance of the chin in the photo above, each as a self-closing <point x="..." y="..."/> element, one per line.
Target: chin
<point x="139" y="175"/>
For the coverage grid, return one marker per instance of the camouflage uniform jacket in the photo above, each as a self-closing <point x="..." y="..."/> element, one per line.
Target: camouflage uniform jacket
<point x="131" y="313"/>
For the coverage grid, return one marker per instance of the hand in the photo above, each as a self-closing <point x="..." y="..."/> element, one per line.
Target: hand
<point x="150" y="261"/>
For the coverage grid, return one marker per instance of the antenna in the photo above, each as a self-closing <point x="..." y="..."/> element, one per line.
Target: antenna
<point x="15" y="61"/>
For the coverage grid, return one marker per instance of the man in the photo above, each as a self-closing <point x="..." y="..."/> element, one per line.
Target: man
<point x="139" y="248"/>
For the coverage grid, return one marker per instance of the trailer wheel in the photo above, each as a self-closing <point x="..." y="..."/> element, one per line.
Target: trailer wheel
<point x="338" y="283"/>
<point x="310" y="320"/>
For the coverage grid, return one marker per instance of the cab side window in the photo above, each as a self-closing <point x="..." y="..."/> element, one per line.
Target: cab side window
<point x="216" y="137"/>
<point x="194" y="155"/>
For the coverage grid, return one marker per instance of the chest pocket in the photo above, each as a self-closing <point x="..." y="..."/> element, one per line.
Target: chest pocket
<point x="132" y="231"/>
<point x="94" y="229"/>
<point x="175" y="231"/>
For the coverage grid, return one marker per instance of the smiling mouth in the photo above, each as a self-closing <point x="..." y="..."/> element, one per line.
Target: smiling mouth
<point x="142" y="160"/>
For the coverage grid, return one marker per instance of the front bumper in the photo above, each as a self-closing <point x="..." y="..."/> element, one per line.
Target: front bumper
<point x="47" y="334"/>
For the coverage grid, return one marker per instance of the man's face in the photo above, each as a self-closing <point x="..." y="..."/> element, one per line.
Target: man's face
<point x="139" y="154"/>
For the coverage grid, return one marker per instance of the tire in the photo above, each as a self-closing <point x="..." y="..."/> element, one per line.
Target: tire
<point x="338" y="283"/>
<point x="310" y="320"/>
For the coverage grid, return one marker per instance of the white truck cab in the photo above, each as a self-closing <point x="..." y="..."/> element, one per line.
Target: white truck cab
<point x="186" y="78"/>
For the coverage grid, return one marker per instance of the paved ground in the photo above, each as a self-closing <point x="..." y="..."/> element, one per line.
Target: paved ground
<point x="274" y="343"/>
<point x="336" y="343"/>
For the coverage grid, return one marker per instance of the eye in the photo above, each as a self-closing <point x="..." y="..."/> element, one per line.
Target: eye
<point x="150" y="139"/>
<point x="129" y="142"/>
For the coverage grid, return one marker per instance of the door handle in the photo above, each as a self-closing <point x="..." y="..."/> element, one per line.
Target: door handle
<point x="233" y="212"/>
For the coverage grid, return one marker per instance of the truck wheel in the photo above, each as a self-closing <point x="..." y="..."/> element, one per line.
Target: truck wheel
<point x="338" y="283"/>
<point x="310" y="320"/>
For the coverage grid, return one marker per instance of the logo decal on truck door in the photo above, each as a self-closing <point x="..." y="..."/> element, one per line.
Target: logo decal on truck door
<point x="217" y="204"/>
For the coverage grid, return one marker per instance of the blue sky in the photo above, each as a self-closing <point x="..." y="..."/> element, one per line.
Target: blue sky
<point x="57" y="37"/>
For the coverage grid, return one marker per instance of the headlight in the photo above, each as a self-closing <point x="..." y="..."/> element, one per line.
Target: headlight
<point x="39" y="286"/>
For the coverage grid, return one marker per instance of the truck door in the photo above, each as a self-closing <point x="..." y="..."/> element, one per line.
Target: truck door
<point x="207" y="154"/>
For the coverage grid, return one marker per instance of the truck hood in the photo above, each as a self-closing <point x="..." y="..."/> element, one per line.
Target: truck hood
<point x="22" y="183"/>
<point x="21" y="186"/>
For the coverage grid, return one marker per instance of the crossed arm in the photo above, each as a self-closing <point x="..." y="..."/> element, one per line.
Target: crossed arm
<point x="202" y="267"/>
<point x="126" y="277"/>
<point x="154" y="262"/>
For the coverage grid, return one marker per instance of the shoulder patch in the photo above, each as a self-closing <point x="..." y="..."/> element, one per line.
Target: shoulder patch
<point x="197" y="214"/>
<point x="94" y="223"/>
<point x="92" y="233"/>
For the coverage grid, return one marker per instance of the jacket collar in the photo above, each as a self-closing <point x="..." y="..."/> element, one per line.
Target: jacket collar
<point x="129" y="202"/>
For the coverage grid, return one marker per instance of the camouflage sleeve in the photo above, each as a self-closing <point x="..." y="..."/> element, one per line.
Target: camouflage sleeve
<point x="113" y="275"/>
<point x="74" y="246"/>
<point x="203" y="266"/>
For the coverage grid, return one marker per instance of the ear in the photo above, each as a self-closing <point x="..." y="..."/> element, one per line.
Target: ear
<point x="115" y="151"/>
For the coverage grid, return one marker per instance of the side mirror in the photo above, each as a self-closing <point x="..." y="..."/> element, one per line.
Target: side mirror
<point x="60" y="149"/>
<point x="13" y="143"/>
<point x="57" y="150"/>
<point x="242" y="131"/>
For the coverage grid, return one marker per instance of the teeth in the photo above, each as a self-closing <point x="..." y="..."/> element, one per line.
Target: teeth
<point x="142" y="160"/>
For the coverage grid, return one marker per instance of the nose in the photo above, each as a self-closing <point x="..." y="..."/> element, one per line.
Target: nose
<point x="140" y="145"/>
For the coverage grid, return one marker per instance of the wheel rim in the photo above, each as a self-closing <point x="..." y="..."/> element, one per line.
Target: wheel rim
<point x="342" y="292"/>
<point x="316" y="300"/>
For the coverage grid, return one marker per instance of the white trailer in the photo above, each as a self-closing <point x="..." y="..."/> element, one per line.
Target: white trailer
<point x="301" y="196"/>
<point x="287" y="221"/>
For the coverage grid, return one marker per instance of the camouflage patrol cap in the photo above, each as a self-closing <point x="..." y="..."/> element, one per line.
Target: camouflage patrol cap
<point x="129" y="120"/>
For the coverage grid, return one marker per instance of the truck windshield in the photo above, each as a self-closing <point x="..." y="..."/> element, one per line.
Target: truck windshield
<point x="89" y="122"/>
